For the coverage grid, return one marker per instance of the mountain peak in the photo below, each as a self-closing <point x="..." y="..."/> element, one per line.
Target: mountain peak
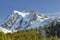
<point x="25" y="20"/>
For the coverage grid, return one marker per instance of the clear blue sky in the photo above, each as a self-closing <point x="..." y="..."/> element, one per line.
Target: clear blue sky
<point x="43" y="6"/>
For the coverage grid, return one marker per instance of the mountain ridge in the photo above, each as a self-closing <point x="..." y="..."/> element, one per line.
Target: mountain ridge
<point x="25" y="20"/>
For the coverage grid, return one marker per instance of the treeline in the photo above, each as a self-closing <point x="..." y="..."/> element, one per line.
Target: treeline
<point x="26" y="35"/>
<point x="50" y="32"/>
<point x="53" y="29"/>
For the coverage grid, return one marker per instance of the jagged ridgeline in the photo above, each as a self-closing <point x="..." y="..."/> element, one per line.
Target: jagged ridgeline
<point x="24" y="20"/>
<point x="30" y="25"/>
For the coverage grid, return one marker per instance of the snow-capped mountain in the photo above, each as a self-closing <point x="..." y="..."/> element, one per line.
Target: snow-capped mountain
<point x="25" y="20"/>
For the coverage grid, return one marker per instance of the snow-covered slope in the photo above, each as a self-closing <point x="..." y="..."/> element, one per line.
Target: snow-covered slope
<point x="25" y="20"/>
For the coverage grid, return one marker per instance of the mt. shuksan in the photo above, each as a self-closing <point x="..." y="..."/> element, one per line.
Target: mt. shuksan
<point x="24" y="21"/>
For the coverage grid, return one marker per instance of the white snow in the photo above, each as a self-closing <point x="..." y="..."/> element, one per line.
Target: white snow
<point x="39" y="16"/>
<point x="5" y="30"/>
<point x="21" y="13"/>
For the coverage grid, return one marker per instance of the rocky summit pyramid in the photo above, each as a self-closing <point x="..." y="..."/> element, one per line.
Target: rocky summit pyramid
<point x="25" y="20"/>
